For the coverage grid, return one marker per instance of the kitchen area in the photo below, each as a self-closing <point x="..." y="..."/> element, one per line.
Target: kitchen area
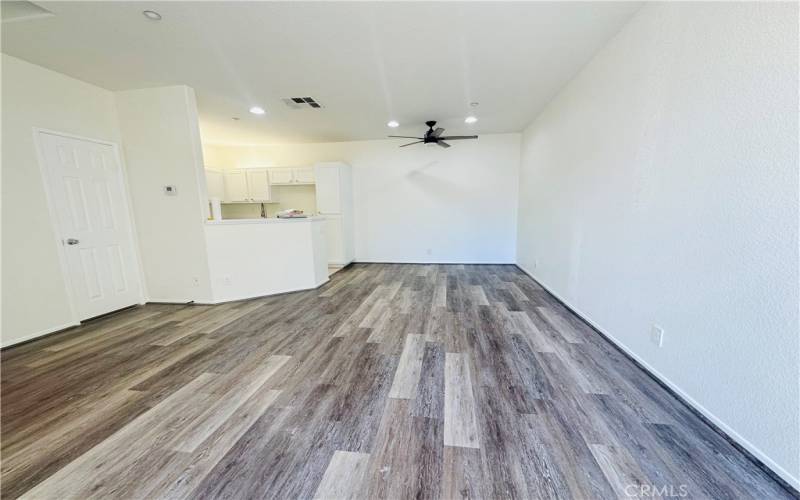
<point x="277" y="229"/>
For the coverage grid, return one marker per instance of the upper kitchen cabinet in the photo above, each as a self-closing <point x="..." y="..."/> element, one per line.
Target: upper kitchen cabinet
<point x="215" y="184"/>
<point x="280" y="176"/>
<point x="258" y="184"/>
<point x="247" y="185"/>
<point x="236" y="185"/>
<point x="287" y="176"/>
<point x="304" y="175"/>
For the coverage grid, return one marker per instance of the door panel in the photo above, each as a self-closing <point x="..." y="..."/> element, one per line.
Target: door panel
<point x="87" y="194"/>
<point x="258" y="184"/>
<point x="105" y="205"/>
<point x="89" y="265"/>
<point x="77" y="203"/>
<point x="333" y="239"/>
<point x="327" y="188"/>
<point x="236" y="186"/>
<point x="304" y="175"/>
<point x="117" y="268"/>
<point x="280" y="176"/>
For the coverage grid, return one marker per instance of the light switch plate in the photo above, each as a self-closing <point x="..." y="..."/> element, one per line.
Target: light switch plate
<point x="657" y="335"/>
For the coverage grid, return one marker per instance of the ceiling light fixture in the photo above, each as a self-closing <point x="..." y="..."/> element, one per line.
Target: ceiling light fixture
<point x="393" y="124"/>
<point x="152" y="15"/>
<point x="256" y="110"/>
<point x="470" y="119"/>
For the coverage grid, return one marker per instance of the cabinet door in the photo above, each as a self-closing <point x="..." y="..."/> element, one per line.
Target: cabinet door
<point x="258" y="184"/>
<point x="327" y="187"/>
<point x="215" y="184"/>
<point x="333" y="239"/>
<point x="235" y="185"/>
<point x="304" y="175"/>
<point x="280" y="176"/>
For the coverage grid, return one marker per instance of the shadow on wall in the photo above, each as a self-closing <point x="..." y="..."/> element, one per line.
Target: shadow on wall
<point x="435" y="187"/>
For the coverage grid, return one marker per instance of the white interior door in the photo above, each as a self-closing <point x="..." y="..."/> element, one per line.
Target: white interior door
<point x="87" y="194"/>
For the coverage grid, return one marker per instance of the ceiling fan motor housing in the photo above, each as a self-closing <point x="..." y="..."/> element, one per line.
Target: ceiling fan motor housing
<point x="432" y="136"/>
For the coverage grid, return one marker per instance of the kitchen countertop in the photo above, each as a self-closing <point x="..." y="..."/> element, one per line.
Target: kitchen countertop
<point x="270" y="220"/>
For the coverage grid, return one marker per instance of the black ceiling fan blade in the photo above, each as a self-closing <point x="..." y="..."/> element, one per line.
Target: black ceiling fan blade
<point x="438" y="132"/>
<point x="410" y="143"/>
<point x="457" y="137"/>
<point x="404" y="137"/>
<point x="443" y="144"/>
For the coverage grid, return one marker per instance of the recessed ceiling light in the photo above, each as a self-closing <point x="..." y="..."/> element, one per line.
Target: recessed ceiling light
<point x="256" y="110"/>
<point x="393" y="124"/>
<point x="470" y="119"/>
<point x="473" y="104"/>
<point x="152" y="15"/>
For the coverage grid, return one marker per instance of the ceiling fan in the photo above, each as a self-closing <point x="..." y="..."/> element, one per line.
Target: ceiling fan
<point x="434" y="136"/>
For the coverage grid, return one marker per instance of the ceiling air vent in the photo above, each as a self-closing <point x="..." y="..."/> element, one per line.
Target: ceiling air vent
<point x="301" y="102"/>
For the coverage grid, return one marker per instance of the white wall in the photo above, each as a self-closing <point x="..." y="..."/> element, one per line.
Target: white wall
<point x="661" y="186"/>
<point x="162" y="147"/>
<point x="34" y="294"/>
<point x="266" y="257"/>
<point x="416" y="204"/>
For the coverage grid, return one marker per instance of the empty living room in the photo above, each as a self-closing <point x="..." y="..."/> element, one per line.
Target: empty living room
<point x="400" y="250"/>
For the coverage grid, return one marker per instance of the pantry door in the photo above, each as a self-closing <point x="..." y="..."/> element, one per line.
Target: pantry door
<point x="87" y="196"/>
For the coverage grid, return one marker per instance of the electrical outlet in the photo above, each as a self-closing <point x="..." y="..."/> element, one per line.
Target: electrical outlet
<point x="429" y="251"/>
<point x="226" y="279"/>
<point x="195" y="281"/>
<point x="657" y="335"/>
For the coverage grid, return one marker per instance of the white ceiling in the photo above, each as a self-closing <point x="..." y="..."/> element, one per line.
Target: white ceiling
<point x="366" y="62"/>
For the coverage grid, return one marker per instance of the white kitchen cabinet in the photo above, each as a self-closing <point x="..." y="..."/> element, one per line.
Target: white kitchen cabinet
<point x="303" y="175"/>
<point x="287" y="176"/>
<point x="280" y="176"/>
<point x="328" y="189"/>
<point x="258" y="184"/>
<point x="236" y="186"/>
<point x="215" y="184"/>
<point x="334" y="235"/>
<point x="247" y="185"/>
<point x="334" y="189"/>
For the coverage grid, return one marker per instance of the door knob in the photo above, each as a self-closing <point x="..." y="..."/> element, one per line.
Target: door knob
<point x="72" y="241"/>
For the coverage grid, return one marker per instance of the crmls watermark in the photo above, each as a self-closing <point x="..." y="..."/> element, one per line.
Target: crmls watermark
<point x="653" y="491"/>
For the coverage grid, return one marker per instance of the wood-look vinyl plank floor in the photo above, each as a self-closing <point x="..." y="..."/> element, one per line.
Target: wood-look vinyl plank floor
<point x="391" y="381"/>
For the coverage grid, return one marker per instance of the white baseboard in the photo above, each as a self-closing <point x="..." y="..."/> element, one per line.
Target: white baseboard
<point x="248" y="297"/>
<point x="41" y="333"/>
<point x="337" y="263"/>
<point x="793" y="481"/>
<point x="443" y="262"/>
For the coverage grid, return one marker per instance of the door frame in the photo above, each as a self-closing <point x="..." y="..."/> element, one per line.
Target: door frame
<point x="58" y="232"/>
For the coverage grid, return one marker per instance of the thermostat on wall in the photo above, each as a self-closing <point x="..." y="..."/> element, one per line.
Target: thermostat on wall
<point x="170" y="190"/>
